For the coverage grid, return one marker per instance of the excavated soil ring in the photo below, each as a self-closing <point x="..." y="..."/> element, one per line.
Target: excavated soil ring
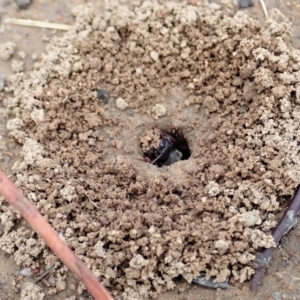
<point x="229" y="85"/>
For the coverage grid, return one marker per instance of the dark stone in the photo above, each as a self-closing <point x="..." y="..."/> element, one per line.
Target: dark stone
<point x="103" y="95"/>
<point x="201" y="280"/>
<point x="245" y="3"/>
<point x="22" y="4"/>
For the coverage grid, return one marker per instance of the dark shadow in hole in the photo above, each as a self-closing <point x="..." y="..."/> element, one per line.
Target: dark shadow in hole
<point x="293" y="95"/>
<point x="181" y="144"/>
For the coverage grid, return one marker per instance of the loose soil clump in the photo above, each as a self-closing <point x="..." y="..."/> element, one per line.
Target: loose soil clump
<point x="229" y="85"/>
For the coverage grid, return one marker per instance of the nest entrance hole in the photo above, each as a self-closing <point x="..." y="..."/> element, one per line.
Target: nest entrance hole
<point x="171" y="148"/>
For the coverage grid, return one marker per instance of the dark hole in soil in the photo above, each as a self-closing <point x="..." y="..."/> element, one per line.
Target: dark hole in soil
<point x="173" y="147"/>
<point x="293" y="95"/>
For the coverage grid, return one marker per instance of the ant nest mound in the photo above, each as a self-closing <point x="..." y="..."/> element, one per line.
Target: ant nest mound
<point x="232" y="86"/>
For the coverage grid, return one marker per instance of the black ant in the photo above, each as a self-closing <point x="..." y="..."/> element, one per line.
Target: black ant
<point x="171" y="148"/>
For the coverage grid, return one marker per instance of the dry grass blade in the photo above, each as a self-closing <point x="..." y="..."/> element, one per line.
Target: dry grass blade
<point x="264" y="8"/>
<point x="29" y="212"/>
<point x="39" y="24"/>
<point x="287" y="222"/>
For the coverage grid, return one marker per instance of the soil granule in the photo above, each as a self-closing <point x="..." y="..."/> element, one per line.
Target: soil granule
<point x="229" y="85"/>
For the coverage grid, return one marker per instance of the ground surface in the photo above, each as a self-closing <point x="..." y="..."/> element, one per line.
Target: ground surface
<point x="283" y="276"/>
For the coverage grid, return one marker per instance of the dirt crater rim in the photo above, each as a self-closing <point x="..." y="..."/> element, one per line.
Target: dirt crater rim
<point x="141" y="226"/>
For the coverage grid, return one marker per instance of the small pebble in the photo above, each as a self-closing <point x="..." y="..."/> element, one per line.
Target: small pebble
<point x="249" y="219"/>
<point x="22" y="4"/>
<point x="277" y="275"/>
<point x="139" y="70"/>
<point x="277" y="296"/>
<point x="154" y="55"/>
<point x="22" y="55"/>
<point x="103" y="95"/>
<point x="158" y="110"/>
<point x="52" y="281"/>
<point x="121" y="104"/>
<point x="26" y="272"/>
<point x="221" y="245"/>
<point x="245" y="3"/>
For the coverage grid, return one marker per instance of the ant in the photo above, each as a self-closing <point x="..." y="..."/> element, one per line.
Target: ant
<point x="167" y="151"/>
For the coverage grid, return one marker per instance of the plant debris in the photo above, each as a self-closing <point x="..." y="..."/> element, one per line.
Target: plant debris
<point x="34" y="23"/>
<point x="28" y="211"/>
<point x="288" y="221"/>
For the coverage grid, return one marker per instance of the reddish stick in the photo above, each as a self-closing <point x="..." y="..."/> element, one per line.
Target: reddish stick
<point x="9" y="191"/>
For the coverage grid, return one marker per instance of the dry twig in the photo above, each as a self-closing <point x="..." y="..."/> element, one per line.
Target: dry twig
<point x="40" y="24"/>
<point x="44" y="274"/>
<point x="264" y="8"/>
<point x="29" y="212"/>
<point x="287" y="222"/>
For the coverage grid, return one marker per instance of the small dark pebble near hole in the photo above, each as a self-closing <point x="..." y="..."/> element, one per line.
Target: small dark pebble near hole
<point x="201" y="280"/>
<point x="245" y="3"/>
<point x="23" y="4"/>
<point x="103" y="95"/>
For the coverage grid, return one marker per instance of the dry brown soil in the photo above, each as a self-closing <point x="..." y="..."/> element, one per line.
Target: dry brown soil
<point x="228" y="82"/>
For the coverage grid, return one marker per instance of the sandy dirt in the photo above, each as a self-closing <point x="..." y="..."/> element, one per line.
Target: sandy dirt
<point x="228" y="83"/>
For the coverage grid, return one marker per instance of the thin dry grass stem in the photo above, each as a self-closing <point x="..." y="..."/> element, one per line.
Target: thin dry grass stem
<point x="92" y="201"/>
<point x="287" y="222"/>
<point x="43" y="275"/>
<point x="29" y="212"/>
<point x="40" y="24"/>
<point x="264" y="8"/>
